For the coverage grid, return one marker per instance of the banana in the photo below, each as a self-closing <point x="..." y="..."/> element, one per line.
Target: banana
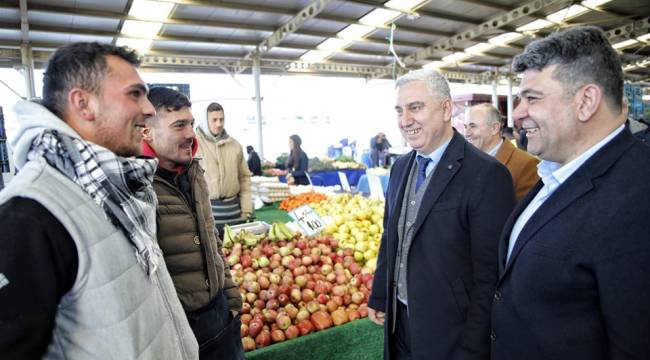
<point x="273" y="235"/>
<point x="280" y="234"/>
<point x="286" y="231"/>
<point x="227" y="239"/>
<point x="250" y="240"/>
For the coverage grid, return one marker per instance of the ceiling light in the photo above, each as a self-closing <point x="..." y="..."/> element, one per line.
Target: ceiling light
<point x="405" y="5"/>
<point x="379" y="17"/>
<point x="435" y="65"/>
<point x="333" y="44"/>
<point x="479" y="48"/>
<point x="140" y="45"/>
<point x="313" y="56"/>
<point x="594" y="3"/>
<point x="143" y="29"/>
<point x="567" y="13"/>
<point x="535" y="25"/>
<point x="355" y="31"/>
<point x="624" y="44"/>
<point x="506" y="38"/>
<point x="644" y="38"/>
<point x="151" y="10"/>
<point x="456" y="57"/>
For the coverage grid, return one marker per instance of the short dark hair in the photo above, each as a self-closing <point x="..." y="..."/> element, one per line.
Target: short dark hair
<point x="249" y="149"/>
<point x="583" y="55"/>
<point x="214" y="107"/>
<point x="168" y="99"/>
<point x="81" y="65"/>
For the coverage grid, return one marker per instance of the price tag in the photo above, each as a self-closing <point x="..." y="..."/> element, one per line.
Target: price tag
<point x="376" y="190"/>
<point x="344" y="182"/>
<point x="308" y="220"/>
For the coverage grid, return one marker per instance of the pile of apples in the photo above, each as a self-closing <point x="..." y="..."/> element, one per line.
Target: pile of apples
<point x="294" y="287"/>
<point x="357" y="224"/>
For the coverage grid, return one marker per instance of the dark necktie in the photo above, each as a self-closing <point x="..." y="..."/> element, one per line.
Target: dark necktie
<point x="422" y="171"/>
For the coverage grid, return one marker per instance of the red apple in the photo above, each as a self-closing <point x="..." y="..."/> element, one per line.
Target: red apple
<point x="277" y="336"/>
<point x="248" y="343"/>
<point x="255" y="327"/>
<point x="283" y="321"/>
<point x="263" y="338"/>
<point x="305" y="327"/>
<point x="340" y="317"/>
<point x="292" y="332"/>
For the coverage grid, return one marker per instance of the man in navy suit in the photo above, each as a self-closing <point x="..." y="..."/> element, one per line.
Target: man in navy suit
<point x="446" y="205"/>
<point x="574" y="259"/>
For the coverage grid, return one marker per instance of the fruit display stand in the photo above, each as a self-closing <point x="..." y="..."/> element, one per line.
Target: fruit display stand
<point x="306" y="296"/>
<point x="357" y="340"/>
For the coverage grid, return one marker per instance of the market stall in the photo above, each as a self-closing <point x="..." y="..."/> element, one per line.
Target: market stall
<point x="306" y="296"/>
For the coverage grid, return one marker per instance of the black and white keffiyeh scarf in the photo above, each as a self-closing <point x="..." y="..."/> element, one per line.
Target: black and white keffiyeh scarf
<point x="120" y="186"/>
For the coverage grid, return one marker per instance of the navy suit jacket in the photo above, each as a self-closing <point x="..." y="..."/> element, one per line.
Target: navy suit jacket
<point x="452" y="263"/>
<point x="577" y="285"/>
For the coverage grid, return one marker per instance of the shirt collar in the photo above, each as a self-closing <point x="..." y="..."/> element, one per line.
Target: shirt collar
<point x="553" y="173"/>
<point x="495" y="149"/>
<point x="436" y="155"/>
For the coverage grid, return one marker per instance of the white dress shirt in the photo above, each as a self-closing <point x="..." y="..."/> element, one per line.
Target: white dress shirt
<point x="553" y="175"/>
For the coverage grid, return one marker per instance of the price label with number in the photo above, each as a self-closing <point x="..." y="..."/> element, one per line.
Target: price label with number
<point x="308" y="220"/>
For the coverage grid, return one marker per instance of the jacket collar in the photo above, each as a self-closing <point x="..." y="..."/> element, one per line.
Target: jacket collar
<point x="578" y="184"/>
<point x="505" y="151"/>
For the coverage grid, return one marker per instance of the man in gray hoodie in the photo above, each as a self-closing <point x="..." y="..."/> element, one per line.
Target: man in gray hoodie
<point x="81" y="275"/>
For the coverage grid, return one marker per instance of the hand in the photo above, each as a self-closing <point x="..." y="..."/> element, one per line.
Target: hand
<point x="234" y="313"/>
<point x="376" y="316"/>
<point x="290" y="180"/>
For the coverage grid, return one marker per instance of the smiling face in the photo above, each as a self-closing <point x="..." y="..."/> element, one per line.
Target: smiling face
<point x="480" y="131"/>
<point x="120" y="107"/>
<point x="424" y="120"/>
<point x="547" y="113"/>
<point x="171" y="136"/>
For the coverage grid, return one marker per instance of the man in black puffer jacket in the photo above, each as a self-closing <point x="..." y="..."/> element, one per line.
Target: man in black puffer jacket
<point x="186" y="232"/>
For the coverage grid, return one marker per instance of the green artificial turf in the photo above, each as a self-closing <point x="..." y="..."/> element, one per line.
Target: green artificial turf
<point x="270" y="213"/>
<point x="356" y="340"/>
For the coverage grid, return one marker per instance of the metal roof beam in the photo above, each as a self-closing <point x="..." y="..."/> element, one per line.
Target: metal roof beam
<point x="486" y="27"/>
<point x="290" y="12"/>
<point x="188" y="39"/>
<point x="634" y="28"/>
<point x="191" y="22"/>
<point x="421" y="12"/>
<point x="309" y="12"/>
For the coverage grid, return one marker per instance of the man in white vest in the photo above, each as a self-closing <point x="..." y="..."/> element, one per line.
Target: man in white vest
<point x="81" y="273"/>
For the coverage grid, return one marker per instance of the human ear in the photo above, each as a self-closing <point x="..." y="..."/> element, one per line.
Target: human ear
<point x="589" y="99"/>
<point x="79" y="104"/>
<point x="446" y="110"/>
<point x="147" y="134"/>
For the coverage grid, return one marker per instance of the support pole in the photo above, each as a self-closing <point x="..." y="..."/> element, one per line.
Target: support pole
<point x="495" y="96"/>
<point x="510" y="120"/>
<point x="26" y="52"/>
<point x="258" y="105"/>
<point x="28" y="69"/>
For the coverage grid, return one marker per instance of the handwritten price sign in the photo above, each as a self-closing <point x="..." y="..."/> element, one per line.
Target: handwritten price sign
<point x="308" y="220"/>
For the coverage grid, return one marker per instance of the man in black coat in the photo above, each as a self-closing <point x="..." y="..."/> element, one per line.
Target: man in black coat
<point x="437" y="268"/>
<point x="254" y="162"/>
<point x="574" y="257"/>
